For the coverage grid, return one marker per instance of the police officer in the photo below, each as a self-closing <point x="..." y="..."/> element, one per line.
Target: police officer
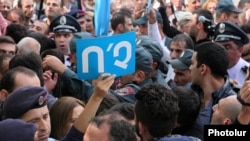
<point x="25" y="103"/>
<point x="129" y="84"/>
<point x="233" y="39"/>
<point x="226" y="11"/>
<point x="29" y="103"/>
<point x="64" y="27"/>
<point x="181" y="68"/>
<point x="159" y="68"/>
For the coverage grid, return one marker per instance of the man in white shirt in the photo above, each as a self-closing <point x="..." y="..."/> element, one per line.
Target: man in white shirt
<point x="233" y="39"/>
<point x="64" y="27"/>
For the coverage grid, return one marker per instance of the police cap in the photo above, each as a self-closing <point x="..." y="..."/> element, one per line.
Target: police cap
<point x="226" y="31"/>
<point x="24" y="99"/>
<point x="65" y="23"/>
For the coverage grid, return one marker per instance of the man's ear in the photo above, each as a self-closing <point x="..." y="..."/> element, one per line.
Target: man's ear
<point x="223" y="17"/>
<point x="241" y="50"/>
<point x="3" y="94"/>
<point x="227" y="121"/>
<point x="72" y="58"/>
<point x="200" y="25"/>
<point x="139" y="76"/>
<point x="204" y="69"/>
<point x="141" y="128"/>
<point x="120" y="27"/>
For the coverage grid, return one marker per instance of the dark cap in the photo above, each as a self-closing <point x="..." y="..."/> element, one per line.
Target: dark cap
<point x="143" y="59"/>
<point x="184" y="61"/>
<point x="24" y="99"/>
<point x="17" y="130"/>
<point x="76" y="36"/>
<point x="227" y="5"/>
<point x="143" y="19"/>
<point x="76" y="13"/>
<point x="226" y="31"/>
<point x="65" y="23"/>
<point x="151" y="45"/>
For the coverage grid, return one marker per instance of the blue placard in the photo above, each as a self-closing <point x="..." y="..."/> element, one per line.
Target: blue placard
<point x="111" y="54"/>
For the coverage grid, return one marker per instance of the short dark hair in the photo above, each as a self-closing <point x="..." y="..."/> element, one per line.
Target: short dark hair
<point x="214" y="56"/>
<point x="204" y="12"/>
<point x="55" y="52"/>
<point x="8" y="80"/>
<point x="45" y="42"/>
<point x="7" y="39"/>
<point x="157" y="108"/>
<point x="16" y="31"/>
<point x="125" y="109"/>
<point x="184" y="38"/>
<point x="107" y="102"/>
<point x="119" y="17"/>
<point x="208" y="15"/>
<point x="189" y="104"/>
<point x="246" y="27"/>
<point x="120" y="130"/>
<point x="30" y="60"/>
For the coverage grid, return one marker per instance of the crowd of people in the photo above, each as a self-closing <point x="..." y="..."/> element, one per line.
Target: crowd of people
<point x="192" y="62"/>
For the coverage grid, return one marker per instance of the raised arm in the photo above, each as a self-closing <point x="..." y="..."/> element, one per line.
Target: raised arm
<point x="244" y="99"/>
<point x="101" y="87"/>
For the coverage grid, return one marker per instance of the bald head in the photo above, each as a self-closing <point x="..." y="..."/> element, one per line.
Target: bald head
<point x="27" y="45"/>
<point x="232" y="106"/>
<point x="226" y="111"/>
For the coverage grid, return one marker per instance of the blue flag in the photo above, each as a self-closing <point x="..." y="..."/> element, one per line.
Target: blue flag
<point x="102" y="17"/>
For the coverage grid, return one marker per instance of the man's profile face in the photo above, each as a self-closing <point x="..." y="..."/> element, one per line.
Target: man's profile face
<point x="195" y="71"/>
<point x="193" y="26"/>
<point x="40" y="117"/>
<point x="182" y="77"/>
<point x="234" y="52"/>
<point x="128" y="25"/>
<point x="234" y="17"/>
